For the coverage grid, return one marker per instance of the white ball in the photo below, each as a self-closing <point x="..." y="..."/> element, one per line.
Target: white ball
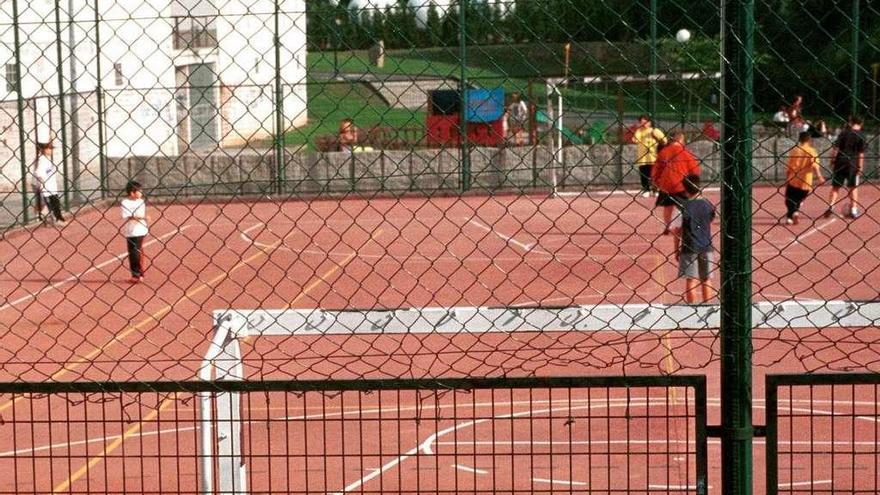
<point x="683" y="35"/>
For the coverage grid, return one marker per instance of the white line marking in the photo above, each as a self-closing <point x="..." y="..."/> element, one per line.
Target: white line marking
<point x="510" y="240"/>
<point x="613" y="192"/>
<point x="812" y="231"/>
<point x="805" y="483"/>
<point x="559" y="482"/>
<point x="469" y="469"/>
<point x="74" y="278"/>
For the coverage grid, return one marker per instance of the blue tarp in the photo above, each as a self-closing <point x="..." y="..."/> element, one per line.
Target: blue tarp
<point x="484" y="105"/>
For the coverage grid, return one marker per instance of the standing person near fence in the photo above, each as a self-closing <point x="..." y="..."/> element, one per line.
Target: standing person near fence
<point x="674" y="163"/>
<point x="647" y="139"/>
<point x="693" y="241"/>
<point x="45" y="182"/>
<point x="847" y="164"/>
<point x="803" y="166"/>
<point x="517" y="119"/>
<point x="134" y="214"/>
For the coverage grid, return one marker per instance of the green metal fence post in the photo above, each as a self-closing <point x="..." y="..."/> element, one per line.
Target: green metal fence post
<point x="102" y="158"/>
<point x="652" y="96"/>
<point x="854" y="56"/>
<point x="279" y="107"/>
<point x="738" y="28"/>
<point x="462" y="84"/>
<point x="62" y="106"/>
<point x="20" y="101"/>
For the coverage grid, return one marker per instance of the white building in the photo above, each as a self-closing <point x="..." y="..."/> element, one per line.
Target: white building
<point x="175" y="75"/>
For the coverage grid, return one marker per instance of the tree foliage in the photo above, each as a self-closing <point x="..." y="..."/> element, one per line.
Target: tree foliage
<point x="801" y="46"/>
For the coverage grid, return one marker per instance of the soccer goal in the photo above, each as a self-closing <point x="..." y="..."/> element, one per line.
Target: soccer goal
<point x="596" y="109"/>
<point x="222" y="447"/>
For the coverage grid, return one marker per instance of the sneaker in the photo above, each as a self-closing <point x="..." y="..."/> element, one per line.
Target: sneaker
<point x="852" y="213"/>
<point x="796" y="218"/>
<point x="135" y="280"/>
<point x="646" y="194"/>
<point x="789" y="221"/>
<point x="828" y="213"/>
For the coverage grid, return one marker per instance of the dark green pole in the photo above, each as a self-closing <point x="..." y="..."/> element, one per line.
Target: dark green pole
<point x="854" y="56"/>
<point x="652" y="97"/>
<point x="738" y="26"/>
<point x="62" y="106"/>
<point x="20" y="100"/>
<point x="102" y="161"/>
<point x="279" y="108"/>
<point x="462" y="84"/>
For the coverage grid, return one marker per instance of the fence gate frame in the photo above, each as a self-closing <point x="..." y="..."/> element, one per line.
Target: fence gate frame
<point x="771" y="392"/>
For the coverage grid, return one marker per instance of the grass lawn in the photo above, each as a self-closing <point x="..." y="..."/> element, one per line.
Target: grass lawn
<point x="328" y="104"/>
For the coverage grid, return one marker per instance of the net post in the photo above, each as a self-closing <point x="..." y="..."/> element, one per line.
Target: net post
<point x="222" y="362"/>
<point x="738" y="28"/>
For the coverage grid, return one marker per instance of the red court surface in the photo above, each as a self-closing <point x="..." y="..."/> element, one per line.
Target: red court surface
<point x="69" y="314"/>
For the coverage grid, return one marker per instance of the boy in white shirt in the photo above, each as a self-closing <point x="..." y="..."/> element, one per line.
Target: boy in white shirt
<point x="45" y="183"/>
<point x="134" y="213"/>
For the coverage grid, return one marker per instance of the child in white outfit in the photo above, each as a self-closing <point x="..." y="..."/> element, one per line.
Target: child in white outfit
<point x="134" y="213"/>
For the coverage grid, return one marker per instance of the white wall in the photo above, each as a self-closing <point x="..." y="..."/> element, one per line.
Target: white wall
<point x="247" y="66"/>
<point x="141" y="113"/>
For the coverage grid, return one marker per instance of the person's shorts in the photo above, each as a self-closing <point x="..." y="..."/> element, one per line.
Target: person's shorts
<point x="695" y="265"/>
<point x="664" y="199"/>
<point x="844" y="176"/>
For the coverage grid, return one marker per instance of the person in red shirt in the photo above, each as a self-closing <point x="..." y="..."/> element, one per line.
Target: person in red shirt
<point x="674" y="163"/>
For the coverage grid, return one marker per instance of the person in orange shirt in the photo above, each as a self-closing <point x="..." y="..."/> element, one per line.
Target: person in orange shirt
<point x="803" y="165"/>
<point x="674" y="163"/>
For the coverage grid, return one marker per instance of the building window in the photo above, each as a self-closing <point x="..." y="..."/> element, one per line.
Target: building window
<point x="190" y="33"/>
<point x="117" y="71"/>
<point x="11" y="78"/>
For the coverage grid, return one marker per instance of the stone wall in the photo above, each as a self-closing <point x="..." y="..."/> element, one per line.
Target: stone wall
<point x="427" y="171"/>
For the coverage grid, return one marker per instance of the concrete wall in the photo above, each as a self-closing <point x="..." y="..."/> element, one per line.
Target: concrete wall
<point x="429" y="171"/>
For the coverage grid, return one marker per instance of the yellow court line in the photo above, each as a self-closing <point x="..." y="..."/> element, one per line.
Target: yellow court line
<point x="323" y="278"/>
<point x="79" y="473"/>
<point x="153" y="317"/>
<point x="668" y="363"/>
<point x="133" y="430"/>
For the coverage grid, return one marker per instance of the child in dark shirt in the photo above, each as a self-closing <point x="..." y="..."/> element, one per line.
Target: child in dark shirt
<point x="693" y="242"/>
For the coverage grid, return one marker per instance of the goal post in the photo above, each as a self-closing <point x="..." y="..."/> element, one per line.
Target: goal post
<point x="557" y="111"/>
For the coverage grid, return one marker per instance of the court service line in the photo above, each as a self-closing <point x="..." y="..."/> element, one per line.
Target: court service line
<point x="559" y="482"/>
<point x="152" y="317"/>
<point x="133" y="430"/>
<point x="510" y="240"/>
<point x="76" y="277"/>
<point x="805" y="483"/>
<point x="812" y="231"/>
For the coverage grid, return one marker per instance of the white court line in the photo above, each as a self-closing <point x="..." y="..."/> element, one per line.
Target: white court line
<point x="510" y="240"/>
<point x="76" y="277"/>
<point x="613" y="192"/>
<point x="469" y="469"/>
<point x="559" y="482"/>
<point x="461" y="444"/>
<point x="804" y="483"/>
<point x="813" y="230"/>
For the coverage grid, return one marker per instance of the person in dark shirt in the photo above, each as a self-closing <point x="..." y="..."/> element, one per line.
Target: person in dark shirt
<point x="693" y="242"/>
<point x="847" y="163"/>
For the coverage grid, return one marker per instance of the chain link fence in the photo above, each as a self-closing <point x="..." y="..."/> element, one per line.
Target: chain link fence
<point x="345" y="190"/>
